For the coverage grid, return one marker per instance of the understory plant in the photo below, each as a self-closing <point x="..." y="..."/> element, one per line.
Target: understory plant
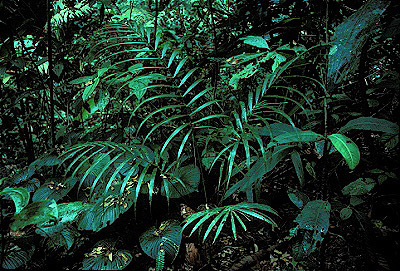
<point x="156" y="115"/>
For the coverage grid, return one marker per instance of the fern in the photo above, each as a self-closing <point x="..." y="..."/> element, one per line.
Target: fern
<point x="65" y="13"/>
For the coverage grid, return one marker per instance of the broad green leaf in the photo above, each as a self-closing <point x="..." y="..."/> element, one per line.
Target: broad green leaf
<point x="104" y="256"/>
<point x="187" y="180"/>
<point x="15" y="256"/>
<point x="298" y="198"/>
<point x="167" y="237"/>
<point x="346" y="213"/>
<point x="315" y="216"/>
<point x="347" y="148"/>
<point x="354" y="201"/>
<point x="68" y="212"/>
<point x="35" y="213"/>
<point x="59" y="235"/>
<point x="349" y="39"/>
<point x="55" y="189"/>
<point x="90" y="88"/>
<point x="360" y="186"/>
<point x="19" y="195"/>
<point x="256" y="41"/>
<point x="83" y="79"/>
<point x="259" y="169"/>
<point x="104" y="211"/>
<point x="297" y="136"/>
<point x="371" y="124"/>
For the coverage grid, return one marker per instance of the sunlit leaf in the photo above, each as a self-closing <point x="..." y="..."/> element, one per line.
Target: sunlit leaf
<point x="347" y="148"/>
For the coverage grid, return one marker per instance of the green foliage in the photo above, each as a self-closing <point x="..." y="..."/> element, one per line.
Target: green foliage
<point x="104" y="256"/>
<point x="371" y="124"/>
<point x="347" y="148"/>
<point x="162" y="243"/>
<point x="61" y="232"/>
<point x="172" y="98"/>
<point x="15" y="256"/>
<point x="54" y="189"/>
<point x="19" y="195"/>
<point x="233" y="213"/>
<point x="349" y="39"/>
<point x="256" y="41"/>
<point x="35" y="213"/>
<point x="298" y="198"/>
<point x="185" y="182"/>
<point x="315" y="217"/>
<point x="312" y="221"/>
<point x="105" y="210"/>
<point x="102" y="165"/>
<point x="359" y="187"/>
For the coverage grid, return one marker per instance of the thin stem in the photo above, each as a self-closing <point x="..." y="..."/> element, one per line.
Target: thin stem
<point x="51" y="86"/>
<point x="3" y="237"/>
<point x="156" y="22"/>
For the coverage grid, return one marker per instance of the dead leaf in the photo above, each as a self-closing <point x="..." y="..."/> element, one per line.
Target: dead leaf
<point x="192" y="254"/>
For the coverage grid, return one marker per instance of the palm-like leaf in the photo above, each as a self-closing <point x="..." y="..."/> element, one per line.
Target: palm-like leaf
<point x="107" y="162"/>
<point x="233" y="213"/>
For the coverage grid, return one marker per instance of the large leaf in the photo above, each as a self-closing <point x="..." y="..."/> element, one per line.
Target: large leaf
<point x="167" y="237"/>
<point x="276" y="129"/>
<point x="315" y="216"/>
<point x="371" y="124"/>
<point x="54" y="189"/>
<point x="61" y="235"/>
<point x="107" y="162"/>
<point x="19" y="195"/>
<point x="347" y="148"/>
<point x="67" y="213"/>
<point x="90" y="89"/>
<point x="260" y="168"/>
<point x="104" y="256"/>
<point x="35" y="213"/>
<point x="15" y="256"/>
<point x="313" y="221"/>
<point x="256" y="41"/>
<point x="186" y="181"/>
<point x="83" y="79"/>
<point x="298" y="198"/>
<point x="360" y="186"/>
<point x="44" y="160"/>
<point x="297" y="136"/>
<point x="349" y="39"/>
<point x="105" y="210"/>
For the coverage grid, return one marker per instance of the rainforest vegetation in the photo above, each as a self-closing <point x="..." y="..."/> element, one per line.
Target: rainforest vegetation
<point x="199" y="135"/>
